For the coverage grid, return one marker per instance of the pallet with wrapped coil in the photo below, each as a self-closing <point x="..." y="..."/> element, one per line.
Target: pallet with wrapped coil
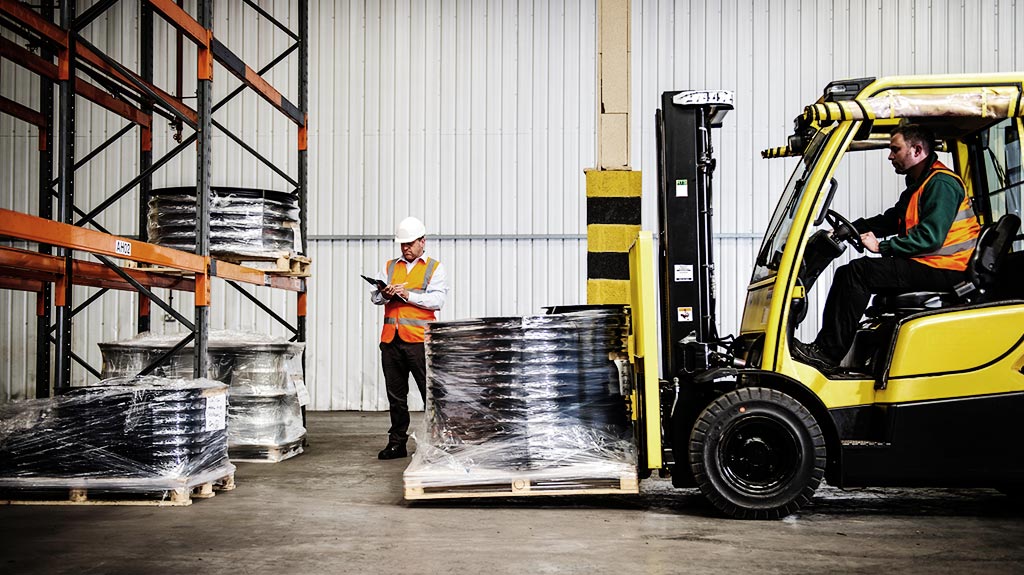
<point x="525" y="406"/>
<point x="127" y="441"/>
<point x="264" y="375"/>
<point x="243" y="221"/>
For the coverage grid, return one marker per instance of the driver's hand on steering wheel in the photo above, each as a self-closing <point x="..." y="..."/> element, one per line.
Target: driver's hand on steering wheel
<point x="870" y="242"/>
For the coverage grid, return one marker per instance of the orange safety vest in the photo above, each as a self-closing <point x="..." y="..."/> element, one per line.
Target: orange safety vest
<point x="958" y="246"/>
<point x="406" y="319"/>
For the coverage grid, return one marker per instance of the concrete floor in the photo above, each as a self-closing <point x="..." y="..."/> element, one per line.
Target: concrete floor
<point x="337" y="509"/>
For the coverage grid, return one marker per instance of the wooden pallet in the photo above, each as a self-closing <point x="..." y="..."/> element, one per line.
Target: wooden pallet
<point x="284" y="264"/>
<point x="279" y="264"/>
<point x="157" y="269"/>
<point x="524" y="487"/>
<point x="166" y="498"/>
<point x="265" y="453"/>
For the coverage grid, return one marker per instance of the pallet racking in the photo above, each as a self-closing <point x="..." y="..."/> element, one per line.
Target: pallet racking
<point x="68" y="63"/>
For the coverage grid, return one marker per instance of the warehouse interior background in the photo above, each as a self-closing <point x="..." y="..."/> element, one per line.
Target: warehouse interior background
<point x="480" y="117"/>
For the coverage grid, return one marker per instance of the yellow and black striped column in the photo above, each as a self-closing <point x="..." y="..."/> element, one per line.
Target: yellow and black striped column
<point x="613" y="220"/>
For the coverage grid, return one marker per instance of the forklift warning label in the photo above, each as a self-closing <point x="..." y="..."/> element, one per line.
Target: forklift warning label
<point x="682" y="188"/>
<point x="684" y="272"/>
<point x="685" y="313"/>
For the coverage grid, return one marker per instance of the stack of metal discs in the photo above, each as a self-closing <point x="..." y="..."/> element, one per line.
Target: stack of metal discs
<point x="264" y="415"/>
<point x="527" y="392"/>
<point x="243" y="221"/>
<point x="146" y="428"/>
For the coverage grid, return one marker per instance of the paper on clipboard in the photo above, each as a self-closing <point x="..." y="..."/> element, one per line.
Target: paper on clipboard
<point x="379" y="284"/>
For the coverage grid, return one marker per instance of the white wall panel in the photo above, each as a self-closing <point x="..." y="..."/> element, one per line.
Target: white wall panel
<point x="479" y="116"/>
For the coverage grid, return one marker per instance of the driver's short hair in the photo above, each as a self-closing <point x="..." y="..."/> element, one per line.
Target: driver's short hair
<point x="916" y="134"/>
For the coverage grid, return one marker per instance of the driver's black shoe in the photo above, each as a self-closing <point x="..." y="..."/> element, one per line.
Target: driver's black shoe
<point x="393" y="451"/>
<point x="813" y="355"/>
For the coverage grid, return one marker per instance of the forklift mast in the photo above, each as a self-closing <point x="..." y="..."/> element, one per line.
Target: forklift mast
<point x="686" y="264"/>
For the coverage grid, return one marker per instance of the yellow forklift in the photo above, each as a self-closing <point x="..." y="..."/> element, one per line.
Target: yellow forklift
<point x="932" y="391"/>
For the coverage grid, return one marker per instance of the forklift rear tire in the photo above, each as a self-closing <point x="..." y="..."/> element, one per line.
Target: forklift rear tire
<point x="757" y="453"/>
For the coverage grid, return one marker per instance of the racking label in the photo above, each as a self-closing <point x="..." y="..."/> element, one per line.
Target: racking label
<point x="122" y="247"/>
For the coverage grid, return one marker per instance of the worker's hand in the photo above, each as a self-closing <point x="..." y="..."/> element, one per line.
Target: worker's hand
<point x="870" y="242"/>
<point x="401" y="292"/>
<point x="392" y="290"/>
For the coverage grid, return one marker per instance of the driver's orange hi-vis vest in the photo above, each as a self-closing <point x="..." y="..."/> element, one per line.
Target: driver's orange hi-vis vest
<point x="405" y="319"/>
<point x="956" y="249"/>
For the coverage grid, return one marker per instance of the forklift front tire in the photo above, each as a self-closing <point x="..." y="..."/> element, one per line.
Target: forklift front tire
<point x="757" y="453"/>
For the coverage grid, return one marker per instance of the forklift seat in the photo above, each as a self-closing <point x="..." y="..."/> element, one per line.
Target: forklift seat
<point x="994" y="243"/>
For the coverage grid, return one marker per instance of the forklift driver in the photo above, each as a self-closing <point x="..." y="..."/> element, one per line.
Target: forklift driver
<point x="931" y="234"/>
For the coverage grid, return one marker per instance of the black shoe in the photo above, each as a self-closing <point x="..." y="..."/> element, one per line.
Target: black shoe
<point x="813" y="355"/>
<point x="393" y="451"/>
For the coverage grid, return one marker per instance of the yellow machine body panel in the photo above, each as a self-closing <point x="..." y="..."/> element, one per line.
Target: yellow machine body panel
<point x="645" y="400"/>
<point x="969" y="352"/>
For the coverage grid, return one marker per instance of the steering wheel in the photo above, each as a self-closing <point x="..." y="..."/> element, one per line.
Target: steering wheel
<point x="843" y="230"/>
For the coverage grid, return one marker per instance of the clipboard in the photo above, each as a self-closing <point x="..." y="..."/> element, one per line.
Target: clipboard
<point x="379" y="284"/>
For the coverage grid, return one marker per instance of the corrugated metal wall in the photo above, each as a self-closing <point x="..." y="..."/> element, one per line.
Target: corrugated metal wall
<point x="480" y="117"/>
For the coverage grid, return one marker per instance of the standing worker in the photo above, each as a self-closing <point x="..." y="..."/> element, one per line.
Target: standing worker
<point x="416" y="287"/>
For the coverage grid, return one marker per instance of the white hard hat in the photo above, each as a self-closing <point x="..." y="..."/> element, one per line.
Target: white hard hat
<point x="410" y="229"/>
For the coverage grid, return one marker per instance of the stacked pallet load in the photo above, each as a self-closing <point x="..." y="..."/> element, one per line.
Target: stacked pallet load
<point x="244" y="222"/>
<point x="124" y="437"/>
<point x="525" y="406"/>
<point x="264" y="377"/>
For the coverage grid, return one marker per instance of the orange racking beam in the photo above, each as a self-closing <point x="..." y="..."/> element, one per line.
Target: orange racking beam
<point x="22" y="112"/>
<point x="48" y="268"/>
<point x="26" y="59"/>
<point x="188" y="26"/>
<point x="21" y="284"/>
<point x="31" y="228"/>
<point x="238" y="69"/>
<point x="133" y="80"/>
<point x="24" y="14"/>
<point x="181" y="20"/>
<point x="33" y="63"/>
<point x="119" y="107"/>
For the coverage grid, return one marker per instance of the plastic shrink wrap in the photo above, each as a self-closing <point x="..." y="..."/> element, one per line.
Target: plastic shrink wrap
<point x="125" y="434"/>
<point x="264" y="375"/>
<point x="243" y="222"/>
<point x="535" y="398"/>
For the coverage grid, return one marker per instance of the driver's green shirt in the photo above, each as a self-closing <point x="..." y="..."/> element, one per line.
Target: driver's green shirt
<point x="938" y="206"/>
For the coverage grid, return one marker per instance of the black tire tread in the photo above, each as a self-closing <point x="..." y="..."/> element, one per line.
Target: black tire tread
<point x="704" y="424"/>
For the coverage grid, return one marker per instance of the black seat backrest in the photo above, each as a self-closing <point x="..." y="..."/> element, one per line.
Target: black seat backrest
<point x="994" y="242"/>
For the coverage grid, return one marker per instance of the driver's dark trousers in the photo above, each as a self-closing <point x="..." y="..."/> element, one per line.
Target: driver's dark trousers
<point x="855" y="282"/>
